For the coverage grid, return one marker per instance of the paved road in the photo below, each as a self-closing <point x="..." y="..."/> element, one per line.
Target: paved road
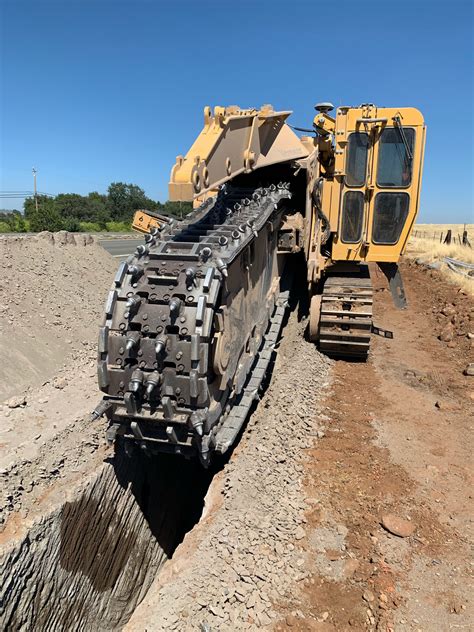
<point x="120" y="247"/>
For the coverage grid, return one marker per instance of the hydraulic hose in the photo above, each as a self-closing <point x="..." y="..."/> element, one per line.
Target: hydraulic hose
<point x="321" y="215"/>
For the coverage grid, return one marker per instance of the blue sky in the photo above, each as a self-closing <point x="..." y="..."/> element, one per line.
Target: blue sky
<point x="106" y="90"/>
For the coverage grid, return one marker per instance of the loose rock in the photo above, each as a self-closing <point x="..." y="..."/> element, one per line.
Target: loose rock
<point x="398" y="526"/>
<point x="16" y="402"/>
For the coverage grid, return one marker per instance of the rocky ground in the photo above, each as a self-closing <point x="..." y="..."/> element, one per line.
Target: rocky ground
<point x="51" y="298"/>
<point x="347" y="504"/>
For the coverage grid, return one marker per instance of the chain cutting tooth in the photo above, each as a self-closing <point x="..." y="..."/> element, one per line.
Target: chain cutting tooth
<point x="132" y="340"/>
<point x="133" y="302"/>
<point x="175" y="306"/>
<point x="160" y="345"/>
<point x="152" y="381"/>
<point x="136" y="381"/>
<point x="141" y="250"/>
<point x="135" y="271"/>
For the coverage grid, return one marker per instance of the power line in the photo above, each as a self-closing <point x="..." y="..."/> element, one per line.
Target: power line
<point x="23" y="194"/>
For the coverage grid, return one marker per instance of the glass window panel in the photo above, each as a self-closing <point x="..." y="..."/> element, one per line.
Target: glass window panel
<point x="352" y="216"/>
<point x="395" y="165"/>
<point x="390" y="214"/>
<point x="356" y="166"/>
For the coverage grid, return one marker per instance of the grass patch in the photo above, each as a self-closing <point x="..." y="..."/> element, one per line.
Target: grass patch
<point x="430" y="250"/>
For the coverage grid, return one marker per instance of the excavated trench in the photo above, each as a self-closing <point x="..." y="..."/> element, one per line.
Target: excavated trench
<point x="87" y="564"/>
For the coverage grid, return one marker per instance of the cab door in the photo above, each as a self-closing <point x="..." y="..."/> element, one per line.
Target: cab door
<point x="380" y="182"/>
<point x="355" y="199"/>
<point x="396" y="180"/>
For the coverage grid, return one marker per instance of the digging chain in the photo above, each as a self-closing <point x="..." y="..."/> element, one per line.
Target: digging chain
<point x="161" y="318"/>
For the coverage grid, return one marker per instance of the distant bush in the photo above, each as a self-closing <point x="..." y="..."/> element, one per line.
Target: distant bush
<point x="71" y="224"/>
<point x="90" y="227"/>
<point x="118" y="227"/>
<point x="13" y="222"/>
<point x="45" y="218"/>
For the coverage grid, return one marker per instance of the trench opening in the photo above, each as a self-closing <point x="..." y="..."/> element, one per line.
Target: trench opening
<point x="89" y="563"/>
<point x="169" y="491"/>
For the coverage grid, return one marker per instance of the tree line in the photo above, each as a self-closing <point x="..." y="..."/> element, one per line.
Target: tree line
<point x="112" y="211"/>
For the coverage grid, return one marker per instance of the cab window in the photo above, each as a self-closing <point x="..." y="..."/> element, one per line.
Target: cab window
<point x="356" y="164"/>
<point x="390" y="214"/>
<point x="352" y="217"/>
<point x="395" y="164"/>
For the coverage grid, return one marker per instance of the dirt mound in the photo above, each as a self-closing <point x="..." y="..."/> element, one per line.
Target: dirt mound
<point x="51" y="298"/>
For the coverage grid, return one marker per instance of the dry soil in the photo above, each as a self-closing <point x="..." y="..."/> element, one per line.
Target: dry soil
<point x="291" y="535"/>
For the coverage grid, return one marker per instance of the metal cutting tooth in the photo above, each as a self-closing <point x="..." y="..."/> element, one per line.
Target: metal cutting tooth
<point x="135" y="271"/>
<point x="190" y="275"/>
<point x="208" y="279"/>
<point x="133" y="301"/>
<point x="201" y="307"/>
<point x="160" y="345"/>
<point x="141" y="250"/>
<point x="193" y="383"/>
<point x="110" y="304"/>
<point x="152" y="381"/>
<point x="121" y="272"/>
<point x="102" y="374"/>
<point x="195" y="342"/>
<point x="133" y="338"/>
<point x="136" y="381"/>
<point x="167" y="407"/>
<point x="103" y="339"/>
<point x="175" y="306"/>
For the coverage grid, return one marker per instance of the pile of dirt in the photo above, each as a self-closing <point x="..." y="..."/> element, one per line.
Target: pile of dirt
<point x="51" y="299"/>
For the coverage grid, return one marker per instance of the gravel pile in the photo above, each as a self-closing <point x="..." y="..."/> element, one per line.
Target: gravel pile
<point x="246" y="560"/>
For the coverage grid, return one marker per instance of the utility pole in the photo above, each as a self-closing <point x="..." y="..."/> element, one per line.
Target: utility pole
<point x="34" y="181"/>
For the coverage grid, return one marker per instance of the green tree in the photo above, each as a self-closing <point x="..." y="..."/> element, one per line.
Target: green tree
<point x="46" y="217"/>
<point x="13" y="221"/>
<point x="99" y="212"/>
<point x="177" y="209"/>
<point x="124" y="199"/>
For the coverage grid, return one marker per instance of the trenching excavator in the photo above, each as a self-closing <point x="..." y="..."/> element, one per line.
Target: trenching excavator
<point x="193" y="316"/>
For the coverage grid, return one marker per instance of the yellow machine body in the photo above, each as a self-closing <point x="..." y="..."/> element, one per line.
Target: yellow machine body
<point x="145" y="221"/>
<point x="195" y="313"/>
<point x="355" y="185"/>
<point x="368" y="161"/>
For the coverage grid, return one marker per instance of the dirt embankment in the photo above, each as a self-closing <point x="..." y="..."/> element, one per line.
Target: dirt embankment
<point x="51" y="297"/>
